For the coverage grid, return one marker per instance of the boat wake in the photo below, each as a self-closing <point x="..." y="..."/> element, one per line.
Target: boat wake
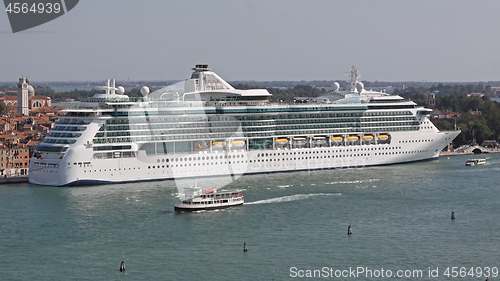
<point x="291" y="198"/>
<point x="356" y="181"/>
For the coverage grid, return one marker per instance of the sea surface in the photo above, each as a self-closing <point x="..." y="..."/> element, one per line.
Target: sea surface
<point x="294" y="224"/>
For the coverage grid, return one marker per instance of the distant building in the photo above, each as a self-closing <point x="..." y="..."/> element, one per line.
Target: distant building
<point x="444" y="115"/>
<point x="451" y="114"/>
<point x="480" y="95"/>
<point x="431" y="101"/>
<point x="475" y="112"/>
<point x="33" y="102"/>
<point x="437" y="114"/>
<point x="490" y="143"/>
<point x="14" y="158"/>
<point x="23" y="89"/>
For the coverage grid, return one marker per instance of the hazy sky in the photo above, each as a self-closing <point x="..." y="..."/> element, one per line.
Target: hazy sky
<point x="403" y="40"/>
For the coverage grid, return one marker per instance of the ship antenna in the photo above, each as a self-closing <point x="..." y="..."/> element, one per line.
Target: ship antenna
<point x="354" y="77"/>
<point x="110" y="87"/>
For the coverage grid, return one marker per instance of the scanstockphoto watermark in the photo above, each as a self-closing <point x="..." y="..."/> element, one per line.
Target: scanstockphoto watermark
<point x="26" y="14"/>
<point x="354" y="272"/>
<point x="366" y="272"/>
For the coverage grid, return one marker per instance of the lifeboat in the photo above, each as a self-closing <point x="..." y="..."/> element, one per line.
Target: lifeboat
<point x="201" y="145"/>
<point x="319" y="140"/>
<point x="368" y="137"/>
<point x="238" y="143"/>
<point x="337" y="139"/>
<point x="217" y="144"/>
<point x="352" y="138"/>
<point x="382" y="137"/>
<point x="281" y="141"/>
<point x="299" y="141"/>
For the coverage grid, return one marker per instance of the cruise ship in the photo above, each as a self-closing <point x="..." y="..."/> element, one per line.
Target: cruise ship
<point x="203" y="127"/>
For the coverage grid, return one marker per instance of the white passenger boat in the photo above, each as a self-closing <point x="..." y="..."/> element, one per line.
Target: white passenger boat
<point x="204" y="127"/>
<point x="198" y="199"/>
<point x="475" y="162"/>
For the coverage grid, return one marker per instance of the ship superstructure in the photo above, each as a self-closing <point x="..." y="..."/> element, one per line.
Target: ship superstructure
<point x="204" y="127"/>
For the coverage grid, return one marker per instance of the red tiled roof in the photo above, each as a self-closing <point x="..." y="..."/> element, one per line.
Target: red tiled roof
<point x="9" y="98"/>
<point x="39" y="98"/>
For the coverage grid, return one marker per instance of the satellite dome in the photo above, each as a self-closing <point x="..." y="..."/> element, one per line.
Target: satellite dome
<point x="31" y="90"/>
<point x="144" y="91"/>
<point x="120" y="90"/>
<point x="360" y="87"/>
<point x="335" y="86"/>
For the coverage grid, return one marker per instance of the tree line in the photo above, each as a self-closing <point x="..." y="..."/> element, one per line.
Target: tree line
<point x="454" y="98"/>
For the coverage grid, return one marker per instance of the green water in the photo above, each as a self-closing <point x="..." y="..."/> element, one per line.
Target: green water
<point x="400" y="216"/>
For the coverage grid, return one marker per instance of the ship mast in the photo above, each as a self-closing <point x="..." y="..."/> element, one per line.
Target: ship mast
<point x="354" y="77"/>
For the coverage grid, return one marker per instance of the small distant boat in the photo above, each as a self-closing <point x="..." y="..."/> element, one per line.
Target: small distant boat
<point x="475" y="162"/>
<point x="198" y="199"/>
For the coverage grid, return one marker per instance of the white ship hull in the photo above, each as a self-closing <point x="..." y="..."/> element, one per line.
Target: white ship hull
<point x="79" y="168"/>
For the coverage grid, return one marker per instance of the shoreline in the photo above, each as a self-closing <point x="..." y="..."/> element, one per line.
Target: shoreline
<point x="457" y="153"/>
<point x="14" y="179"/>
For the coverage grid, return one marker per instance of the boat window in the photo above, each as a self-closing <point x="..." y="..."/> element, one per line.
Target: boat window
<point x="51" y="148"/>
